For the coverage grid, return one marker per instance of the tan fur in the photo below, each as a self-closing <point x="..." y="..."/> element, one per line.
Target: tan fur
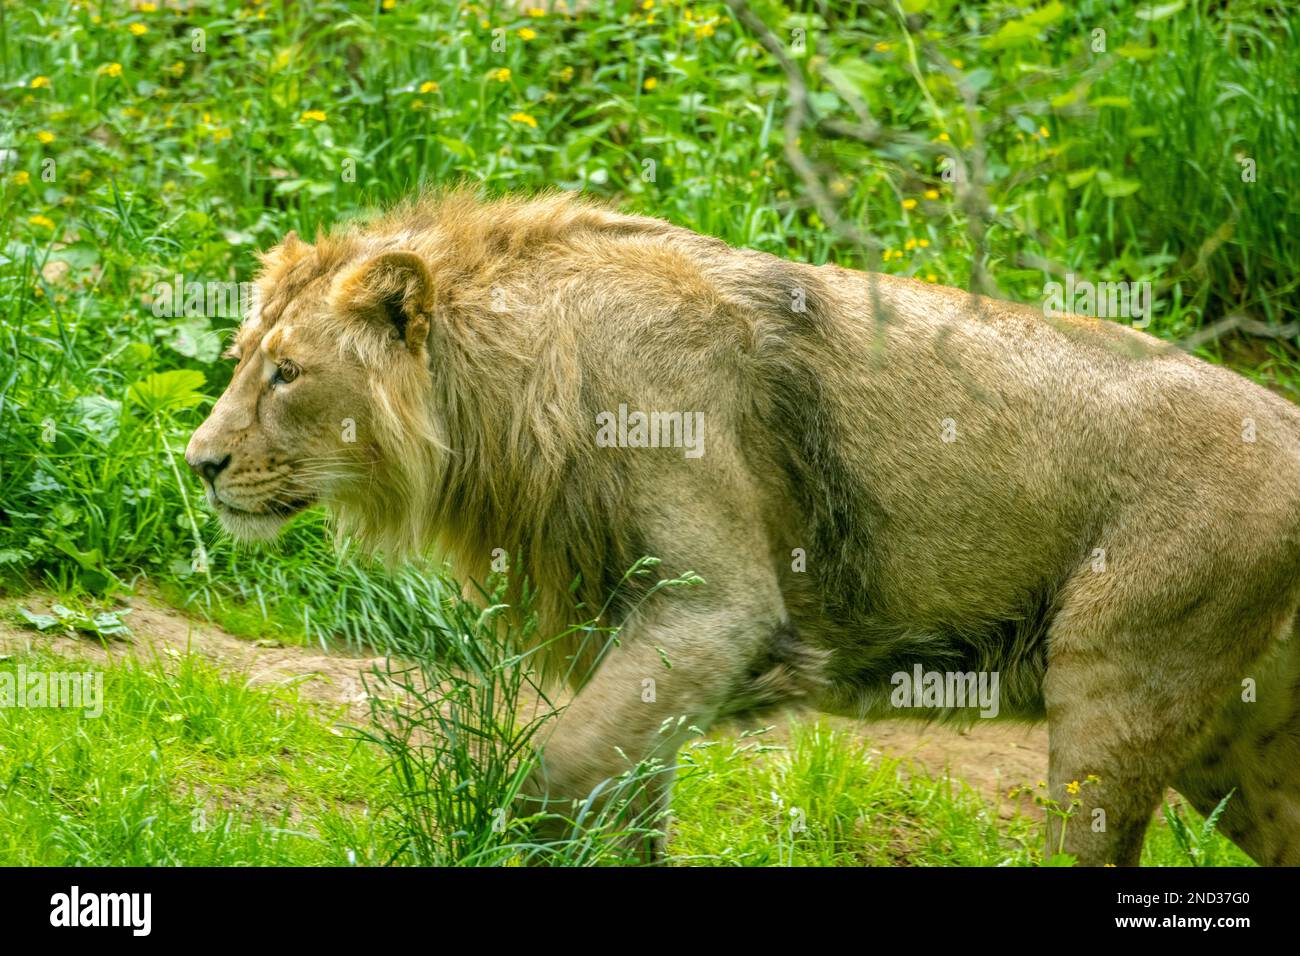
<point x="473" y="345"/>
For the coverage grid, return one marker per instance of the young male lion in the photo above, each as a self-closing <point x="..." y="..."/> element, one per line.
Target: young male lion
<point x="872" y="476"/>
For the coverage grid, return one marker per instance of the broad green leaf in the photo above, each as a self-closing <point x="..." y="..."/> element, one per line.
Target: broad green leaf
<point x="194" y="338"/>
<point x="1131" y="51"/>
<point x="161" y="391"/>
<point x="98" y="416"/>
<point x="976" y="80"/>
<point x="1068" y="98"/>
<point x="1117" y="188"/>
<point x="1046" y="15"/>
<point x="456" y="147"/>
<point x="79" y="255"/>
<point x="1025" y="30"/>
<point x="1160" y="11"/>
<point x="42" y="622"/>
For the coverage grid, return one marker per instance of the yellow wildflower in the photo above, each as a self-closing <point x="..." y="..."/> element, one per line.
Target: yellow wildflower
<point x="527" y="33"/>
<point x="523" y="118"/>
<point x="931" y="277"/>
<point x="883" y="47"/>
<point x="429" y="86"/>
<point x="317" y="116"/>
<point x="957" y="64"/>
<point x="566" y="74"/>
<point x="139" y="29"/>
<point x="22" y="178"/>
<point x="502" y="75"/>
<point x="932" y="194"/>
<point x="535" y="12"/>
<point x="1042" y="131"/>
<point x="909" y="203"/>
<point x="39" y="82"/>
<point x="148" y="8"/>
<point x="649" y="84"/>
<point x="110" y="69"/>
<point x="924" y="243"/>
<point x="45" y="137"/>
<point x="1072" y="787"/>
<point x="389" y="4"/>
<point x="39" y="220"/>
<point x="703" y="30"/>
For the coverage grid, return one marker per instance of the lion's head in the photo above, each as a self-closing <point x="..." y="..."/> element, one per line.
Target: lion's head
<point x="329" y="397"/>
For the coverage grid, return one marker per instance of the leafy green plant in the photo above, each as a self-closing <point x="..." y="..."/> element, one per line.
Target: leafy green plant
<point x="461" y="729"/>
<point x="101" y="624"/>
<point x="1199" y="843"/>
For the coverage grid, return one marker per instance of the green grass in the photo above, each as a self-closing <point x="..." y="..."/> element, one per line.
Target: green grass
<point x="826" y="800"/>
<point x="133" y="149"/>
<point x="189" y="766"/>
<point x="184" y="767"/>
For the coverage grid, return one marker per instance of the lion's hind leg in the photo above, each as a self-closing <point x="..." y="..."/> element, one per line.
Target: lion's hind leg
<point x="1138" y="668"/>
<point x="1251" y="756"/>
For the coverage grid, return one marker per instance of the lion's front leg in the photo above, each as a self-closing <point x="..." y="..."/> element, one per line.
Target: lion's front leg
<point x="673" y="671"/>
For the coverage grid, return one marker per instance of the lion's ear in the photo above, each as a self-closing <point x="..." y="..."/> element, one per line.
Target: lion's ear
<point x="395" y="290"/>
<point x="277" y="259"/>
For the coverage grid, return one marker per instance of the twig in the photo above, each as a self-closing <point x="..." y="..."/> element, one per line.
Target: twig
<point x="1239" y="323"/>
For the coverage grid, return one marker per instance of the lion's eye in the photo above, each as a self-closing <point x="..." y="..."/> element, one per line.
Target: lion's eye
<point x="284" y="373"/>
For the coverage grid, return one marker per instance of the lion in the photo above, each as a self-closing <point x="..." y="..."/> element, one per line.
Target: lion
<point x="868" y="475"/>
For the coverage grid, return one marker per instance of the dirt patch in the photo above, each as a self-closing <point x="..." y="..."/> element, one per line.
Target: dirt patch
<point x="991" y="757"/>
<point x="332" y="678"/>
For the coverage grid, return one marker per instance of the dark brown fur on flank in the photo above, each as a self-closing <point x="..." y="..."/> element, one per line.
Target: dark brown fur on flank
<point x="892" y="474"/>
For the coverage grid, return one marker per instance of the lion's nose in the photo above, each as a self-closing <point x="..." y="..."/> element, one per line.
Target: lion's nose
<point x="207" y="468"/>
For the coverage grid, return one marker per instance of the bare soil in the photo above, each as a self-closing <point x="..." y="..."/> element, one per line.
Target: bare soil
<point x="331" y="678"/>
